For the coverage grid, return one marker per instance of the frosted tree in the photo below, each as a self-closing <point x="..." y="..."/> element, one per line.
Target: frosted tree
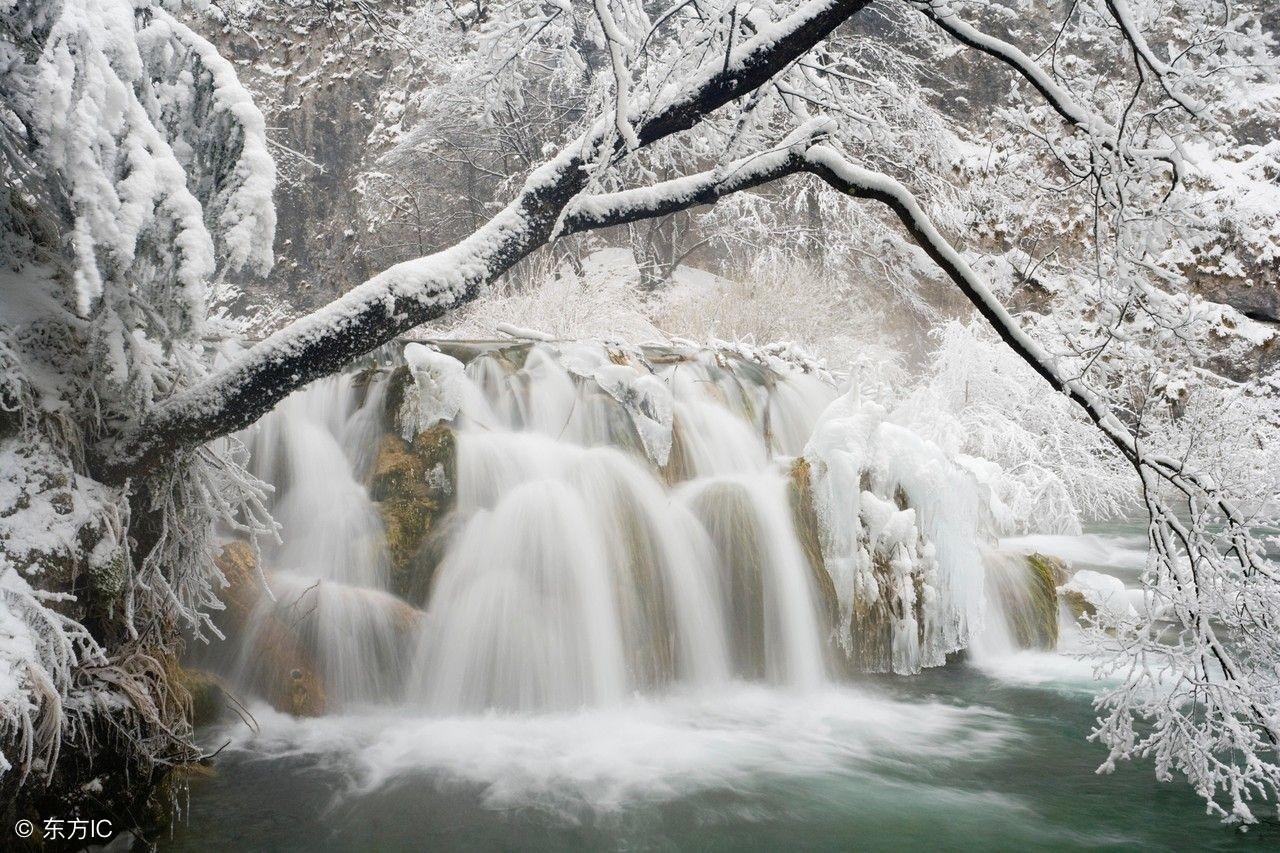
<point x="1121" y="141"/>
<point x="136" y="174"/>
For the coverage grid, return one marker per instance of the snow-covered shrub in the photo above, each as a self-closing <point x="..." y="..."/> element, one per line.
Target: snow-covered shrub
<point x="136" y="173"/>
<point x="1048" y="467"/>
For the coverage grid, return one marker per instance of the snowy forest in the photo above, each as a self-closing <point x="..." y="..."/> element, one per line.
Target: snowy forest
<point x="640" y="424"/>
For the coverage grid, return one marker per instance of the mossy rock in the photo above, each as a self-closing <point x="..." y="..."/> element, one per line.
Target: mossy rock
<point x="397" y="471"/>
<point x="868" y="645"/>
<point x="804" y="518"/>
<point x="207" y="692"/>
<point x="413" y="485"/>
<point x="397" y="383"/>
<point x="1051" y="569"/>
<point x="1037" y="627"/>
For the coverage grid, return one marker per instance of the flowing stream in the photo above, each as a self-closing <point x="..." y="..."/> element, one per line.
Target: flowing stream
<point x="567" y="596"/>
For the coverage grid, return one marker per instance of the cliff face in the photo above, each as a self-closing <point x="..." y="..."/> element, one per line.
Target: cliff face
<point x="329" y="78"/>
<point x="1255" y="294"/>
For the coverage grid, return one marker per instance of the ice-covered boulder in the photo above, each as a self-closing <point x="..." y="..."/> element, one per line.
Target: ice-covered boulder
<point x="1092" y="594"/>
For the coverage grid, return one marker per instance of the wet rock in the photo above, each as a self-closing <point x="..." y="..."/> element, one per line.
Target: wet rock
<point x="397" y="384"/>
<point x="513" y="353"/>
<point x="282" y="671"/>
<point x="804" y="517"/>
<point x="871" y="625"/>
<point x="892" y="574"/>
<point x="413" y="485"/>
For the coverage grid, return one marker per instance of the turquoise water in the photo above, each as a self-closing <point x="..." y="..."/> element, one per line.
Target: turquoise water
<point x="967" y="757"/>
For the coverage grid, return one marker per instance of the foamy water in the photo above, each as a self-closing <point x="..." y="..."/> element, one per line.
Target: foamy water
<point x="645" y="750"/>
<point x="622" y="649"/>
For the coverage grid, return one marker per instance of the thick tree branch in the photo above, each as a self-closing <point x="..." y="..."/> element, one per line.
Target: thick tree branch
<point x="411" y="293"/>
<point x="588" y="213"/>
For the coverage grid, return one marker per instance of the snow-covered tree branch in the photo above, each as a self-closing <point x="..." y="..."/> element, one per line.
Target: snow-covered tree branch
<point x="413" y="292"/>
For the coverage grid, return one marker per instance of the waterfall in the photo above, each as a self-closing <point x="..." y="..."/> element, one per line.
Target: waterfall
<point x="540" y="526"/>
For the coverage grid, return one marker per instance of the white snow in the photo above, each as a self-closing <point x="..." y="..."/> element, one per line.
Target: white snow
<point x="436" y="393"/>
<point x="1106" y="593"/>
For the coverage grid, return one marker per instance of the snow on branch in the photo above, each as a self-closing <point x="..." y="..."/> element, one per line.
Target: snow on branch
<point x="1167" y="76"/>
<point x="118" y="90"/>
<point x="415" y="291"/>
<point x="618" y="47"/>
<point x="1106" y="135"/>
<point x="245" y="209"/>
<point x="1062" y="101"/>
<point x="608" y="209"/>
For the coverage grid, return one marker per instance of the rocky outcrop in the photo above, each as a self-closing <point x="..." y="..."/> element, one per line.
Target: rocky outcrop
<point x="282" y="671"/>
<point x="412" y="483"/>
<point x="283" y="659"/>
<point x="332" y="86"/>
<point x="804" y="517"/>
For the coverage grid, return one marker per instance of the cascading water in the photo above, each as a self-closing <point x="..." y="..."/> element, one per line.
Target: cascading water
<point x="539" y="527"/>
<point x="607" y="596"/>
<point x="330" y="573"/>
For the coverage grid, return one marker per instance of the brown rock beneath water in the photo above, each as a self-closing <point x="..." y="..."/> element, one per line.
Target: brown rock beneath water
<point x="283" y="673"/>
<point x="413" y="485"/>
<point x="805" y="520"/>
<point x="725" y="510"/>
<point x="284" y="666"/>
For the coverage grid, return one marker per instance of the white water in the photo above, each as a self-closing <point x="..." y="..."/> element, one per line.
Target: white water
<point x="577" y="763"/>
<point x="577" y="571"/>
<point x="604" y="635"/>
<point x="612" y="532"/>
<point x="312" y="449"/>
